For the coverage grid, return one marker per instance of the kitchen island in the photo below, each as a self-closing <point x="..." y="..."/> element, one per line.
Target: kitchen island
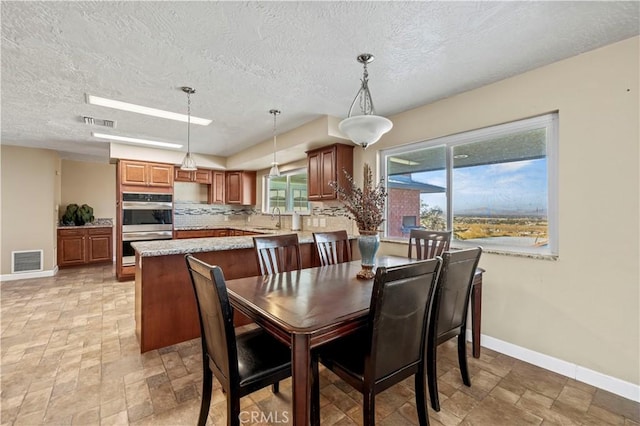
<point x="165" y="307"/>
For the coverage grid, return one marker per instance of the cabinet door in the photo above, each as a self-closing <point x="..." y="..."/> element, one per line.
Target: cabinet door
<point x="202" y="176"/>
<point x="99" y="248"/>
<point x="71" y="250"/>
<point x="314" y="178"/>
<point x="327" y="173"/>
<point x="233" y="193"/>
<point x="160" y="175"/>
<point x="217" y="188"/>
<point x="133" y="172"/>
<point x="182" y="175"/>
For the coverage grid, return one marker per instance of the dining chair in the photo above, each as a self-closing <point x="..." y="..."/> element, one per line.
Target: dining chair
<point x="428" y="244"/>
<point x="449" y="312"/>
<point x="243" y="363"/>
<point x="332" y="247"/>
<point x="277" y="253"/>
<point x="391" y="346"/>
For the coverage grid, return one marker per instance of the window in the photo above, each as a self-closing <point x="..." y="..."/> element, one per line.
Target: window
<point x="494" y="187"/>
<point x="288" y="192"/>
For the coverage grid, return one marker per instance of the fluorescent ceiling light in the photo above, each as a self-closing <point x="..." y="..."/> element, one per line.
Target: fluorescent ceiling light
<point x="124" y="106"/>
<point x="136" y="140"/>
<point x="403" y="161"/>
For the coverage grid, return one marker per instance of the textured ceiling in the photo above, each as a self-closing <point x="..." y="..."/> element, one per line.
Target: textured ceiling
<point x="246" y="58"/>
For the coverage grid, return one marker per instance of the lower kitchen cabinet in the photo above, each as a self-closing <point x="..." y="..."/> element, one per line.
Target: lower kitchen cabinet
<point x="80" y="246"/>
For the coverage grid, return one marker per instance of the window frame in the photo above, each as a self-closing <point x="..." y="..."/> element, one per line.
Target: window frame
<point x="548" y="121"/>
<point x="266" y="207"/>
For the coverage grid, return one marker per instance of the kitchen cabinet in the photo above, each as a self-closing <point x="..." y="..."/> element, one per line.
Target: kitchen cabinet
<point x="240" y="188"/>
<point x="208" y="233"/>
<point x="142" y="173"/>
<point x="217" y="189"/>
<point x="196" y="233"/>
<point x="197" y="176"/>
<point x="84" y="245"/>
<point x="325" y="165"/>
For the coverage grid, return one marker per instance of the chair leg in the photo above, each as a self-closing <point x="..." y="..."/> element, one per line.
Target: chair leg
<point x="233" y="409"/>
<point x="432" y="375"/>
<point x="207" y="385"/>
<point x="421" y="401"/>
<point x="315" y="392"/>
<point x="275" y="388"/>
<point x="462" y="358"/>
<point x="368" y="408"/>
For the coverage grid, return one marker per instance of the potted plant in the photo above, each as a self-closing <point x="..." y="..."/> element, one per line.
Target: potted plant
<point x="366" y="207"/>
<point x="77" y="215"/>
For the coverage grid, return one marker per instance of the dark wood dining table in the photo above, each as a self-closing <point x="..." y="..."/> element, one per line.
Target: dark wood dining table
<point x="307" y="308"/>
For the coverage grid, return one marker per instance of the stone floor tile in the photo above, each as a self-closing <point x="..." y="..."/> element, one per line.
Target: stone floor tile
<point x="69" y="355"/>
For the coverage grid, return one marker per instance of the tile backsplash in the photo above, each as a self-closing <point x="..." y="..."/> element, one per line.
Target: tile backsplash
<point x="327" y="216"/>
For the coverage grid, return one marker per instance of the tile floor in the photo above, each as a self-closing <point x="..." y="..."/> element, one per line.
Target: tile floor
<point x="69" y="356"/>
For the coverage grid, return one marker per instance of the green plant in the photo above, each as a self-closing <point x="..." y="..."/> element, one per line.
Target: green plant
<point x="78" y="215"/>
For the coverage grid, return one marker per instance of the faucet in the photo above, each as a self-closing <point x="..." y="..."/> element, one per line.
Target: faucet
<point x="273" y="213"/>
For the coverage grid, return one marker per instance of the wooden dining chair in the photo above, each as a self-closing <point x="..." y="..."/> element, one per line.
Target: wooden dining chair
<point x="277" y="253"/>
<point x="332" y="247"/>
<point x="243" y="363"/>
<point x="391" y="347"/>
<point x="449" y="312"/>
<point x="428" y="244"/>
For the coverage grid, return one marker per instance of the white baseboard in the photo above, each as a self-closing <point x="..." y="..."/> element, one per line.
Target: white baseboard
<point x="611" y="384"/>
<point x="28" y="275"/>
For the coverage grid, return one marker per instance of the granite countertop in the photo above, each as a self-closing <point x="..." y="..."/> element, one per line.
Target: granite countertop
<point x="98" y="223"/>
<point x="198" y="245"/>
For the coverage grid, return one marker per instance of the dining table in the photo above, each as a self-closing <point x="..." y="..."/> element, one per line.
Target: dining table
<point x="310" y="307"/>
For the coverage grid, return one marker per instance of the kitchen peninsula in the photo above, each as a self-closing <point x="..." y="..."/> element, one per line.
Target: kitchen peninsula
<point x="165" y="307"/>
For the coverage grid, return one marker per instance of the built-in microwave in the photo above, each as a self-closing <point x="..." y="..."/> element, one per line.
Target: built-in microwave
<point x="146" y="212"/>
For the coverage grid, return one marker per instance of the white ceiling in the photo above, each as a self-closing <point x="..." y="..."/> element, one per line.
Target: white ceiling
<point x="246" y="58"/>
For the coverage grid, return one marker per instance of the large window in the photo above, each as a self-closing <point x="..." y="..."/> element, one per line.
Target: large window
<point x="494" y="187"/>
<point x="288" y="192"/>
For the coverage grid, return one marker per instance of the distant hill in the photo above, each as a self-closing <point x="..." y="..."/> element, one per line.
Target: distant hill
<point x="488" y="212"/>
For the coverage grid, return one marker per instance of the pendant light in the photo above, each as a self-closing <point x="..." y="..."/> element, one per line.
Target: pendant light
<point x="188" y="164"/>
<point x="274" y="172"/>
<point x="368" y="128"/>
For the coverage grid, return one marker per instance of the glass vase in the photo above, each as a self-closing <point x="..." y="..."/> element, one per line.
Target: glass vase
<point x="368" y="243"/>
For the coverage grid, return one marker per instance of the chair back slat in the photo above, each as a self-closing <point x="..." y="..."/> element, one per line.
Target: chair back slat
<point x="216" y="316"/>
<point x="277" y="253"/>
<point x="451" y="301"/>
<point x="428" y="244"/>
<point x="399" y="315"/>
<point x="332" y="247"/>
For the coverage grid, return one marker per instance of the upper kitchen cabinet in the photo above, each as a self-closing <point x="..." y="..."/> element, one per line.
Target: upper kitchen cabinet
<point x="217" y="189"/>
<point x="142" y="173"/>
<point x="325" y="165"/>
<point x="240" y="188"/>
<point x="197" y="176"/>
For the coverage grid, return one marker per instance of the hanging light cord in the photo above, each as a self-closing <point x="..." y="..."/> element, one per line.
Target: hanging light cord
<point x="275" y="113"/>
<point x="189" y="122"/>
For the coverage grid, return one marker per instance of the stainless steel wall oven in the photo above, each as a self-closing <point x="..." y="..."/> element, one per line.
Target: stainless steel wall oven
<point x="145" y="217"/>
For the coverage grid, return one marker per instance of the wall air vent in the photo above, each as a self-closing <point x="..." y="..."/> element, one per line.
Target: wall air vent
<point x="26" y="261"/>
<point x="99" y="122"/>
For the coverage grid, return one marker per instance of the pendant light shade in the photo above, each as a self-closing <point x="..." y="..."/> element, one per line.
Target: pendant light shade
<point x="188" y="163"/>
<point x="368" y="128"/>
<point x="274" y="171"/>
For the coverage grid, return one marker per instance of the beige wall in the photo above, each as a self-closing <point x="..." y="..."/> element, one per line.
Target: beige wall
<point x="583" y="308"/>
<point x="89" y="183"/>
<point x="30" y="197"/>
